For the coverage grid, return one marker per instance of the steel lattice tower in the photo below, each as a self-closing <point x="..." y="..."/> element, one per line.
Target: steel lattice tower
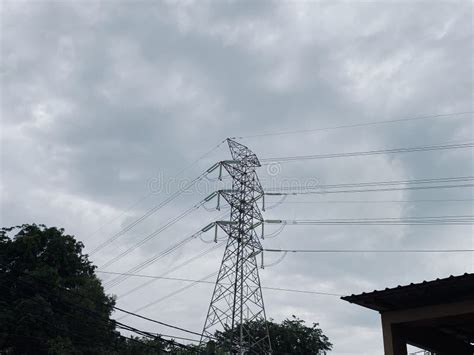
<point x="237" y="299"/>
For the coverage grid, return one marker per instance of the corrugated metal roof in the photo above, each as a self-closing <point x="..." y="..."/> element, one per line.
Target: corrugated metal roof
<point x="450" y="289"/>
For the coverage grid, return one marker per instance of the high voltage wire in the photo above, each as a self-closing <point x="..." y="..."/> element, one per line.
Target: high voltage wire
<point x="153" y="277"/>
<point x="267" y="161"/>
<point x="173" y="337"/>
<point x="174" y="293"/>
<point x="116" y="281"/>
<point x="127" y="209"/>
<point x="212" y="283"/>
<point x="85" y="341"/>
<point x="150" y="335"/>
<point x="152" y="235"/>
<point x="406" y="218"/>
<point x="83" y="309"/>
<point x="375" y="183"/>
<point x="385" y="221"/>
<point x="177" y="337"/>
<point x="437" y="220"/>
<point x="380" y="186"/>
<point x="370" y="190"/>
<point x="156" y="321"/>
<point x="147" y="214"/>
<point x="438" y="201"/>
<point x="151" y="192"/>
<point x="188" y="261"/>
<point x="354" y="125"/>
<point x="96" y="314"/>
<point x="203" y="280"/>
<point x="323" y="251"/>
<point x="67" y="332"/>
<point x="380" y="201"/>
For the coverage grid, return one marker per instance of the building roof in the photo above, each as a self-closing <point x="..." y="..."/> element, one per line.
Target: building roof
<point x="451" y="289"/>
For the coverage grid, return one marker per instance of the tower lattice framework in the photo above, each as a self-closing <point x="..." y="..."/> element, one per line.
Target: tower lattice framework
<point x="237" y="301"/>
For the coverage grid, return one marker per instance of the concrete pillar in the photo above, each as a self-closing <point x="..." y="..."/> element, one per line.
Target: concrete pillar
<point x="393" y="340"/>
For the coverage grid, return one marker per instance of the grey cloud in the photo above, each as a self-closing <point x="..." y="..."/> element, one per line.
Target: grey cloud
<point x="100" y="97"/>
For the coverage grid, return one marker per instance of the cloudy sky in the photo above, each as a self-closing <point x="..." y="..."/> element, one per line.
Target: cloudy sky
<point x="108" y="107"/>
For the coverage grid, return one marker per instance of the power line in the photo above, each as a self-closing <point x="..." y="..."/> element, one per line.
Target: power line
<point x="155" y="277"/>
<point x="375" y="183"/>
<point x="71" y="304"/>
<point x="72" y="334"/>
<point x="24" y="336"/>
<point x="119" y="279"/>
<point x="176" y="337"/>
<point x="212" y="283"/>
<point x="116" y="281"/>
<point x="151" y="192"/>
<point x="174" y="293"/>
<point x="408" y="218"/>
<point x="127" y="209"/>
<point x="147" y="214"/>
<point x="98" y="315"/>
<point x="361" y="124"/>
<point x="370" y="190"/>
<point x="156" y="321"/>
<point x="190" y="260"/>
<point x="437" y="220"/>
<point x="378" y="186"/>
<point x="152" y="235"/>
<point x="381" y="201"/>
<point x="266" y="161"/>
<point x="322" y="251"/>
<point x="151" y="335"/>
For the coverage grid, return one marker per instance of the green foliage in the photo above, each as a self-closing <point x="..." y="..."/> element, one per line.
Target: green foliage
<point x="143" y="346"/>
<point x="37" y="268"/>
<point x="292" y="336"/>
<point x="51" y="302"/>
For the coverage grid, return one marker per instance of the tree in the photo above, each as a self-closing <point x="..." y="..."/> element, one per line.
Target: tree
<point x="51" y="300"/>
<point x="292" y="336"/>
<point x="143" y="346"/>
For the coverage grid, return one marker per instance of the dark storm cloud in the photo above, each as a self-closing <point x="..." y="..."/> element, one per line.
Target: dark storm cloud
<point x="101" y="99"/>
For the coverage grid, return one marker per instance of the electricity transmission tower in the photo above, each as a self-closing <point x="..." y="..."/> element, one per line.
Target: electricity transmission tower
<point x="237" y="302"/>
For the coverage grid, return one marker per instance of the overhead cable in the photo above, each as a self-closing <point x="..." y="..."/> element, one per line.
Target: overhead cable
<point x="386" y="189"/>
<point x="151" y="193"/>
<point x="435" y="220"/>
<point x="119" y="279"/>
<point x="98" y="315"/>
<point x="354" y="125"/>
<point x="147" y="214"/>
<point x="267" y="161"/>
<point x="156" y="321"/>
<point x="378" y="201"/>
<point x="188" y="261"/>
<point x="116" y="281"/>
<point x="213" y="283"/>
<point x="152" y="235"/>
<point x="374" y="183"/>
<point x="174" y="293"/>
<point x="323" y="251"/>
<point x="91" y="312"/>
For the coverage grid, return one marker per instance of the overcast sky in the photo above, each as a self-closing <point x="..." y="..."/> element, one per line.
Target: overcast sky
<point x="104" y="102"/>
